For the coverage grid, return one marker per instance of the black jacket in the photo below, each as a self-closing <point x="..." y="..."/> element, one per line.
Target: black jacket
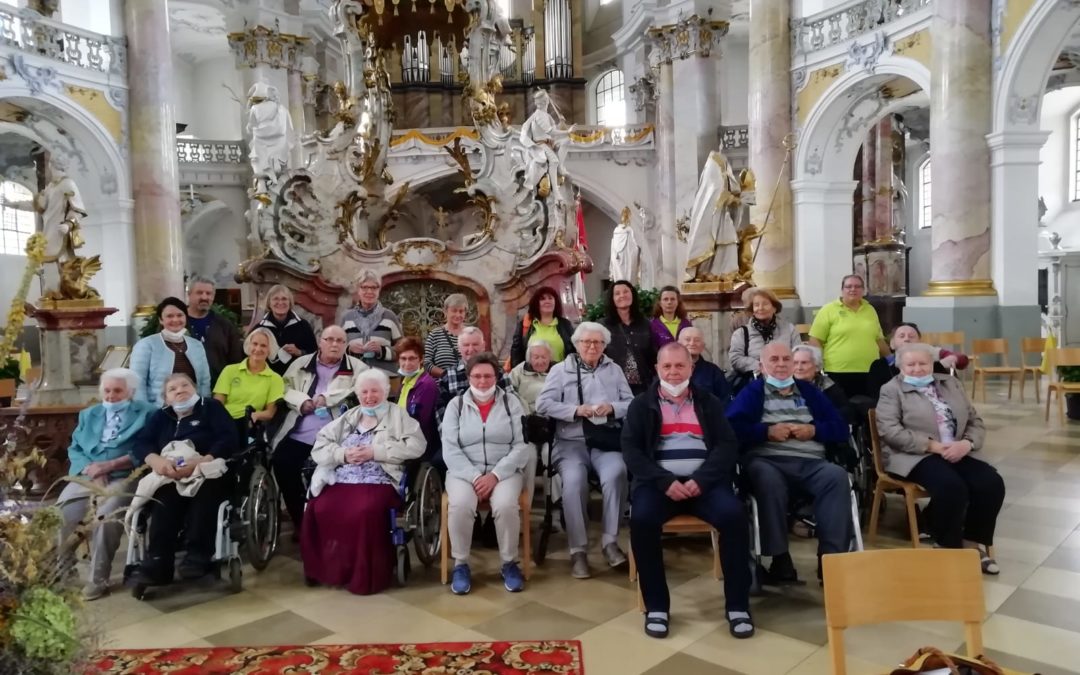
<point x="208" y="427"/>
<point x="294" y="331"/>
<point x="637" y="338"/>
<point x="223" y="343"/>
<point x="641" y="435"/>
<point x="519" y="345"/>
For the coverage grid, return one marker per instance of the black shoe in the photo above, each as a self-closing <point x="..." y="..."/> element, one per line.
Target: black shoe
<point x="154" y="573"/>
<point x="194" y="567"/>
<point x="782" y="570"/>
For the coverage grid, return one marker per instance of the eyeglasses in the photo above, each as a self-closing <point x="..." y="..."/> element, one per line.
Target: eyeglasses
<point x="369" y="287"/>
<point x="591" y="343"/>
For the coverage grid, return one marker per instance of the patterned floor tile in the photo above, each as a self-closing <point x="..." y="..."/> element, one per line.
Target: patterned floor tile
<point x="283" y="628"/>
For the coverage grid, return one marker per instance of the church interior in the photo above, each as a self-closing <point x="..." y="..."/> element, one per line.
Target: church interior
<point x="421" y="174"/>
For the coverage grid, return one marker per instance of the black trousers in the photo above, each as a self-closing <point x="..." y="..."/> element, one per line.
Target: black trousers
<point x="853" y="384"/>
<point x="966" y="497"/>
<point x="288" y="463"/>
<point x="196" y="515"/>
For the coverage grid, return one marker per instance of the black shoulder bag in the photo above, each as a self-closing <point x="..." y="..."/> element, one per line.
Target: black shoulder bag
<point x="606" y="437"/>
<point x="740" y="379"/>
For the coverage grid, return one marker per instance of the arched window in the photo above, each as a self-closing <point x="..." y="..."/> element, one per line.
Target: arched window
<point x="610" y="102"/>
<point x="16" y="224"/>
<point x="924" y="193"/>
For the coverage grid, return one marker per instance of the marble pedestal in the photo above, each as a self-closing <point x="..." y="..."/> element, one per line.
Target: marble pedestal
<point x="713" y="308"/>
<point x="883" y="267"/>
<point x="69" y="351"/>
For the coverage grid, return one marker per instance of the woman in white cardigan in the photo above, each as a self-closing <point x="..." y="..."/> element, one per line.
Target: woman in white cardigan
<point x="345" y="538"/>
<point x="485" y="455"/>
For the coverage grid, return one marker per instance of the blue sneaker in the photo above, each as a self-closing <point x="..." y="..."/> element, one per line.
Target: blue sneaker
<point x="512" y="577"/>
<point x="461" y="580"/>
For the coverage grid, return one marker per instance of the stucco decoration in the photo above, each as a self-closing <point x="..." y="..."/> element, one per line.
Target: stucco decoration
<point x="38" y="78"/>
<point x="1023" y="109"/>
<point x="916" y="46"/>
<point x="866" y="55"/>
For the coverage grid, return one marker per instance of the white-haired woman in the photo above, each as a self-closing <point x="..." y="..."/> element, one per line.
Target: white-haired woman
<point x="371" y="328"/>
<point x="929" y="429"/>
<point x="360" y="458"/>
<point x="806" y="363"/>
<point x="441" y="345"/>
<point x="528" y="378"/>
<point x="101" y="451"/>
<point x="588" y="388"/>
<point x="252" y="382"/>
<point x="293" y="333"/>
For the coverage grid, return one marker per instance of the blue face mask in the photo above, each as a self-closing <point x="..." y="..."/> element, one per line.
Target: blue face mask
<point x="778" y="383"/>
<point x="185" y="406"/>
<point x="407" y="373"/>
<point x="322" y="412"/>
<point x="374" y="412"/>
<point x="923" y="381"/>
<point x="118" y="406"/>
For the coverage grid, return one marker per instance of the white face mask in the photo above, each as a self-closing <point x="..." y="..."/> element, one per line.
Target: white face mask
<point x="170" y="336"/>
<point x="483" y="395"/>
<point x="675" y="389"/>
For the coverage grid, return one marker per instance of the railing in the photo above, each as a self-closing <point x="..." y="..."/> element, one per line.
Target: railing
<point x="735" y="138"/>
<point x="579" y="138"/>
<point x="28" y="31"/>
<point x="189" y="151"/>
<point x="845" y="23"/>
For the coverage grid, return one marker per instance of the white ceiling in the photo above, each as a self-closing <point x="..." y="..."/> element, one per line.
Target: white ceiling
<point x="197" y="31"/>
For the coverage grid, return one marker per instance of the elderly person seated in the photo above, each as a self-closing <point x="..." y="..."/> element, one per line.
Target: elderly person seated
<point x="455" y="380"/>
<point x="485" y="454"/>
<point x="682" y="453"/>
<point x="764" y="326"/>
<point x="419" y="395"/>
<point x="707" y="376"/>
<point x="172" y="350"/>
<point x="251" y="382"/>
<point x="318" y="388"/>
<point x="929" y="428"/>
<point x="784" y="425"/>
<point x="293" y="333"/>
<point x="586" y="394"/>
<point x="885" y="368"/>
<point x="806" y="362"/>
<point x="371" y="328"/>
<point x="345" y="540"/>
<point x="101" y="451"/>
<point x="205" y="424"/>
<point x="528" y="378"/>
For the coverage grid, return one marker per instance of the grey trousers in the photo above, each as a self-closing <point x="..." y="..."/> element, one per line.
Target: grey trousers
<point x="462" y="515"/>
<point x="106" y="529"/>
<point x="827" y="483"/>
<point x="573" y="460"/>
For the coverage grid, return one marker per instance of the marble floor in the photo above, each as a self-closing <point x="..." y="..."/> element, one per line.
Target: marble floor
<point x="1033" y="623"/>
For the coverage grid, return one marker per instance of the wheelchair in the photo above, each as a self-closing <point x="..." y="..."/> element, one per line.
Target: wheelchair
<point x="247" y="523"/>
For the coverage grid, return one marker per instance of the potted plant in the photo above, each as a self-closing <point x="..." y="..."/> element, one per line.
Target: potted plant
<point x="1072" y="401"/>
<point x="646" y="299"/>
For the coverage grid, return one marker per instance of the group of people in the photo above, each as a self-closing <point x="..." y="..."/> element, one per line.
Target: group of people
<point x="629" y="400"/>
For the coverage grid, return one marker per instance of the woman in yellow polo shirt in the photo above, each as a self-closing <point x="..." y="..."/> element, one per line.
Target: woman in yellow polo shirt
<point x="544" y="320"/>
<point x="849" y="335"/>
<point x="251" y="382"/>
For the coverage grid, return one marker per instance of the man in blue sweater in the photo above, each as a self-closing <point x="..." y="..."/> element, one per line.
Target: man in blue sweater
<point x="783" y="426"/>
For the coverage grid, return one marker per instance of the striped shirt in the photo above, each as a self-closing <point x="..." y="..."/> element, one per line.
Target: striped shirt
<point x="682" y="442"/>
<point x="440" y="349"/>
<point x="790" y="408"/>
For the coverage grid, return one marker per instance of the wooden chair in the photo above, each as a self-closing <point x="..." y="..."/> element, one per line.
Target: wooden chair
<point x="684" y="524"/>
<point x="1031" y="346"/>
<point x="870" y="587"/>
<point x="444" y="537"/>
<point x="993" y="347"/>
<point x="886" y="483"/>
<point x="803" y="329"/>
<point x="1064" y="356"/>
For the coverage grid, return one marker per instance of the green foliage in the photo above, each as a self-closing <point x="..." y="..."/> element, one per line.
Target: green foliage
<point x="44" y="626"/>
<point x="1069" y="373"/>
<point x="10" y="371"/>
<point x="154" y="326"/>
<point x="646" y="299"/>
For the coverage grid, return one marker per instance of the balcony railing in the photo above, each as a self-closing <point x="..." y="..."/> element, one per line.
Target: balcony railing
<point x="849" y="21"/>
<point x="190" y="151"/>
<point x="28" y="31"/>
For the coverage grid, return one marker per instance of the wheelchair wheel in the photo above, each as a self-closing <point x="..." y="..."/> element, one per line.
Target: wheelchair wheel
<point x="138" y="591"/>
<point x="236" y="576"/>
<point x="402" y="568"/>
<point x="540" y="554"/>
<point x="260" y="517"/>
<point x="428" y="495"/>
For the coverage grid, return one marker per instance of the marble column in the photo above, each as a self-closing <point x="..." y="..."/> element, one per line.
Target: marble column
<point x="665" y="160"/>
<point x="883" y="181"/>
<point x="159" y="270"/>
<point x="869" y="186"/>
<point x="296" y="111"/>
<point x="960" y="110"/>
<point x="770" y="124"/>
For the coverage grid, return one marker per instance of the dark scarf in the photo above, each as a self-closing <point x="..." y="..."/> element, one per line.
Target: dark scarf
<point x="765" y="329"/>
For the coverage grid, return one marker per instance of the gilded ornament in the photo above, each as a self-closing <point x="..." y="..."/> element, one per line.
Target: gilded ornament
<point x="440" y="254"/>
<point x="35" y="257"/>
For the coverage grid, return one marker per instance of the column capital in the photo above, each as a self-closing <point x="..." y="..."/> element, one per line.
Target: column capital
<point x="690" y="36"/>
<point x="1009" y="139"/>
<point x="260" y="45"/>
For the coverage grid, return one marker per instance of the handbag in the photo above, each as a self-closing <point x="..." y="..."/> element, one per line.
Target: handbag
<point x="931" y="659"/>
<point x="605" y="437"/>
<point x="538" y="429"/>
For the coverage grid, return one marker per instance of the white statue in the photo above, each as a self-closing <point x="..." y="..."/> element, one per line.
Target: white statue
<point x="61" y="206"/>
<point x="647" y="235"/>
<point x="271" y="132"/>
<point x="544" y="152"/>
<point x="899" y="207"/>
<point x="494" y="28"/>
<point x="715" y="221"/>
<point x="625" y="252"/>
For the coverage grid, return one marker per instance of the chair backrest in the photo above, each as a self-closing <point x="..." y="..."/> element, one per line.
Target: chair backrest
<point x="991" y="347"/>
<point x="875" y="444"/>
<point x="1030" y="345"/>
<point x="1063" y="356"/>
<point x="802" y="328"/>
<point x="870" y="587"/>
<point x="952" y="338"/>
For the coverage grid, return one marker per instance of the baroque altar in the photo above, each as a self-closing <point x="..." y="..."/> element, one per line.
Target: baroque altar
<point x="500" y="225"/>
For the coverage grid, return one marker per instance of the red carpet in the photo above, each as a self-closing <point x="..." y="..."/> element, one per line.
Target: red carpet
<point x="442" y="658"/>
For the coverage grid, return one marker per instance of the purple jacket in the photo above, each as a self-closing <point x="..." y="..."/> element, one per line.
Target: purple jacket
<point x="661" y="334"/>
<point x="421" y="404"/>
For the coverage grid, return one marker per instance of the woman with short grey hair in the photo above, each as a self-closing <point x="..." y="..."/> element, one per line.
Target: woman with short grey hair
<point x="588" y="388"/>
<point x="441" y="345"/>
<point x="293" y="333"/>
<point x="371" y="328"/>
<point x="807" y="361"/>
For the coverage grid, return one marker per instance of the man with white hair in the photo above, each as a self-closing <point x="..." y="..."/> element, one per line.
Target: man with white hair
<point x="455" y="381"/>
<point x="101" y="453"/>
